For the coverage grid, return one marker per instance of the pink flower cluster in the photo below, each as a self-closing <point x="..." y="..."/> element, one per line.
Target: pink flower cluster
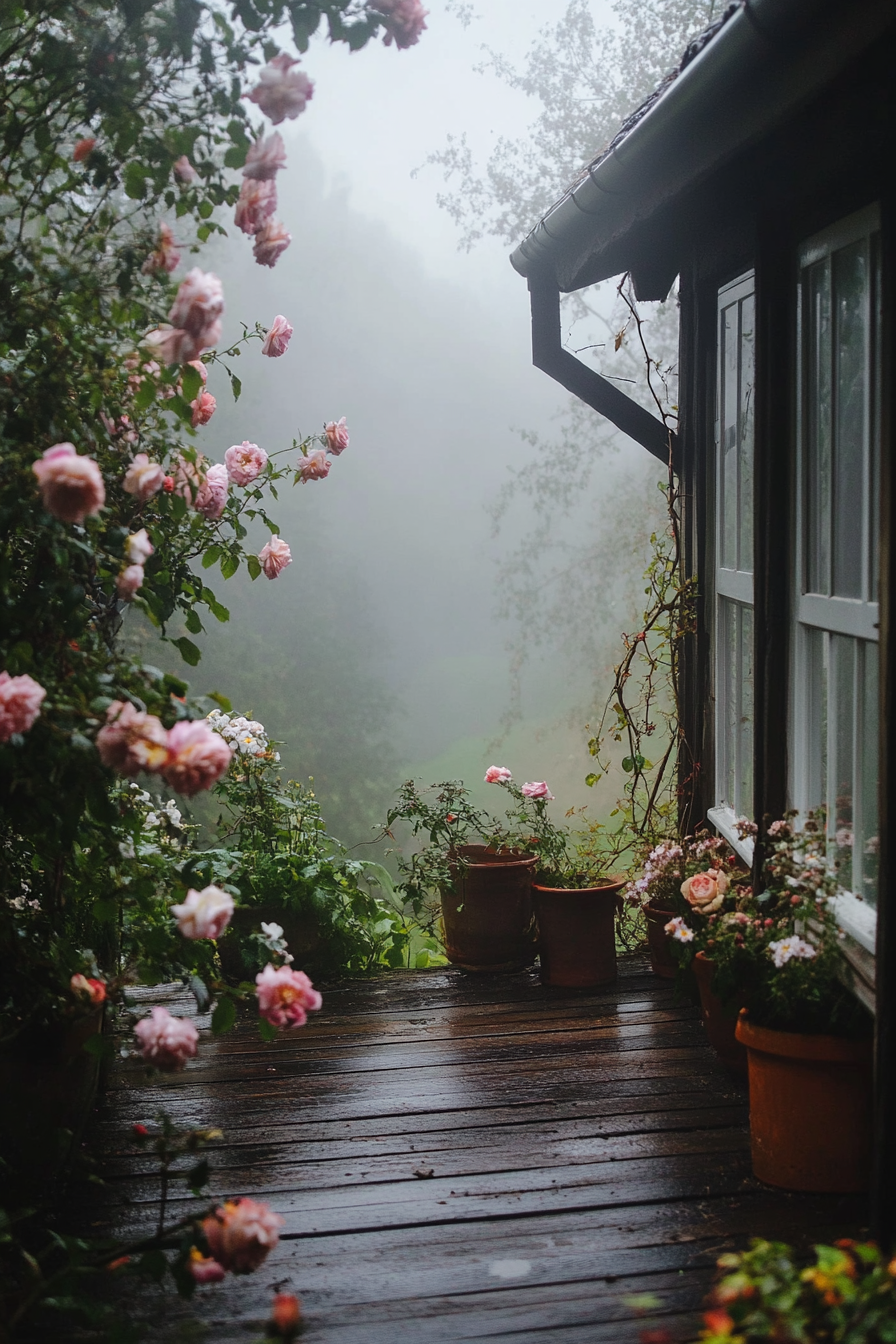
<point x="190" y="757"/>
<point x="285" y="997"/>
<point x="241" y="1234"/>
<point x="245" y="462"/>
<point x="166" y="256"/>
<point x="195" y="319"/>
<point x="20" y="702"/>
<point x="166" y="1041"/>
<point x="204" y="404"/>
<point x="281" y="92"/>
<point x="138" y="549"/>
<point x="71" y="486"/>
<point x="274" y="557"/>
<point x="404" y="21"/>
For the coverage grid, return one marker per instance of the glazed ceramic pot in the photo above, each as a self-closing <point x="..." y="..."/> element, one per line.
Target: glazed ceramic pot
<point x="810" y="1109"/>
<point x="577" y="935"/>
<point x="658" y="941"/>
<point x="487" y="913"/>
<point x="720" y="1028"/>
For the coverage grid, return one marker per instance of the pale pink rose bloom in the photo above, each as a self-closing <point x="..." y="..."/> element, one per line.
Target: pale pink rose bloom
<point x="71" y="487"/>
<point x="537" y="790"/>
<point x="172" y="345"/>
<point x="20" y="702"/>
<point x="245" y="461"/>
<point x="267" y="155"/>
<point x="131" y="741"/>
<point x="94" y="991"/>
<point x="138" y="547"/>
<point x="184" y="170"/>
<point x="198" y="306"/>
<point x="203" y="408"/>
<point x="314" y="466"/>
<point x="285" y="996"/>
<point x="271" y="240"/>
<point x="241" y="1234"/>
<point x="498" y="774"/>
<point x="129" y="581"/>
<point x="404" y="21"/>
<point x="256" y="204"/>
<point x="204" y="914"/>
<point x="83" y="148"/>
<point x="166" y="256"/>
<point x="203" y="1269"/>
<point x="705" y="891"/>
<point x="166" y="1041"/>
<point x="337" y="436"/>
<point x="197" y="757"/>
<point x="281" y="92"/>
<point x="277" y="339"/>
<point x="143" y="478"/>
<point x="212" y="495"/>
<point x="274" y="557"/>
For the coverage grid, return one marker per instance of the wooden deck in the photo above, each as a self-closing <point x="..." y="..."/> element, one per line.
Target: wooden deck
<point x="467" y="1158"/>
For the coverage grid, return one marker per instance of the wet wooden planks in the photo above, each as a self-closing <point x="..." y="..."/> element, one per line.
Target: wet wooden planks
<point x="466" y="1158"/>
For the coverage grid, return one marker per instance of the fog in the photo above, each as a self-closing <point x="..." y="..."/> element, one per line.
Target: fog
<point x="378" y="655"/>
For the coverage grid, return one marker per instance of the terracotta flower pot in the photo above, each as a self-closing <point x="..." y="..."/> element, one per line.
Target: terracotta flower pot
<point x="810" y="1109"/>
<point x="661" y="958"/>
<point x="720" y="1029"/>
<point x="577" y="935"/>
<point x="487" y="917"/>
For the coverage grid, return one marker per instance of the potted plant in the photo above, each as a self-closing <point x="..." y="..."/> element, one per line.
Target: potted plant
<point x="808" y="1039"/>
<point x="575" y="901"/>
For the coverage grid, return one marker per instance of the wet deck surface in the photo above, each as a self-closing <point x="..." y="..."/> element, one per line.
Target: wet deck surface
<point x="466" y="1158"/>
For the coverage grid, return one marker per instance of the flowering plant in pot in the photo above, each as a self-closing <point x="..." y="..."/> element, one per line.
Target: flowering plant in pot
<point x="778" y="958"/>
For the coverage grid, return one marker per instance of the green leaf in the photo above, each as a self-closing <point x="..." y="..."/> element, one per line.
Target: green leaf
<point x="253" y="564"/>
<point x="421" y="961"/>
<point x="146" y="395"/>
<point x="191" y="382"/>
<point x="105" y="911"/>
<point x="193" y="623"/>
<point x="266" y="1030"/>
<point x="212" y="554"/>
<point x="229" y="565"/>
<point x="224" y="1016"/>
<point x="198" y="1176"/>
<point x="188" y="650"/>
<point x="221" y="700"/>
<point x="236" y="386"/>
<point x="135" y="181"/>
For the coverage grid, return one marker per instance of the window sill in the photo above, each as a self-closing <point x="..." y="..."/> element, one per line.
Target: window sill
<point x="725" y="822"/>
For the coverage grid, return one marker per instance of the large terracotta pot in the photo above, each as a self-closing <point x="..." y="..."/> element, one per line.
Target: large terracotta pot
<point x="487" y="915"/>
<point x="577" y="935"/>
<point x="661" y="958"/>
<point x="720" y="1028"/>
<point x="810" y="1109"/>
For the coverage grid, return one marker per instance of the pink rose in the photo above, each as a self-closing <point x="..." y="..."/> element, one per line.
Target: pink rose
<point x="498" y="774"/>
<point x="129" y="581"/>
<point x="274" y="557"/>
<point x="241" y="1234"/>
<point x="705" y="891"/>
<point x="71" y="487"/>
<point x="212" y="496"/>
<point x="138" y="547"/>
<point x="203" y="1269"/>
<point x="184" y="170"/>
<point x="197" y="757"/>
<point x="131" y="741"/>
<point x="281" y="92"/>
<point x="94" y="991"/>
<point x="20" y="702"/>
<point x="256" y="204"/>
<point x="83" y="149"/>
<point x="143" y="478"/>
<point x="267" y="155"/>
<point x="537" y="790"/>
<point x="245" y="461"/>
<point x="285" y="996"/>
<point x="203" y="409"/>
<point x="337" y="436"/>
<point x="198" y="306"/>
<point x="172" y="345"/>
<point x="204" y="914"/>
<point x="166" y="1041"/>
<point x="270" y="241"/>
<point x="277" y="339"/>
<point x="166" y="256"/>
<point x="314" y="466"/>
<point x="404" y="21"/>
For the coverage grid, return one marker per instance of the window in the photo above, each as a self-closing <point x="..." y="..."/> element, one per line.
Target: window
<point x="835" y="685"/>
<point x="733" y="615"/>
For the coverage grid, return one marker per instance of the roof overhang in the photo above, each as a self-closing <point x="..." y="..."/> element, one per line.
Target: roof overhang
<point x="769" y="60"/>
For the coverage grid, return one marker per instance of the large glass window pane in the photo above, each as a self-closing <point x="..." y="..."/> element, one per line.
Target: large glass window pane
<point x="727" y="653"/>
<point x="744" y="804"/>
<point x="728" y="433"/>
<point x="747" y="399"/>
<point x="840" y="819"/>
<point x="816" y="690"/>
<point x="870" y="841"/>
<point x="851" y="378"/>
<point x="817" y="474"/>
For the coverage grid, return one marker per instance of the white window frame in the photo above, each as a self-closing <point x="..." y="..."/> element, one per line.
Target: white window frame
<point x="856" y="618"/>
<point x="734" y="585"/>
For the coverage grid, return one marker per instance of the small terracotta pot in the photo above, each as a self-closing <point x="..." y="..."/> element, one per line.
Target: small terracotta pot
<point x="810" y="1109"/>
<point x="487" y="917"/>
<point x="661" y="958"/>
<point x="720" y="1028"/>
<point x="577" y="935"/>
